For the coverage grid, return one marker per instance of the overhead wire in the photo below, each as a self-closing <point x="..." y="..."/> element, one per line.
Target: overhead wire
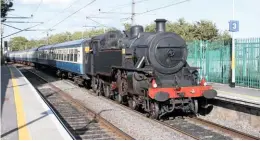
<point x="114" y="8"/>
<point x="62" y="10"/>
<point x="73" y="13"/>
<point x="56" y="14"/>
<point x="126" y="5"/>
<point x="162" y="7"/>
<point x="37" y="8"/>
<point x="99" y="23"/>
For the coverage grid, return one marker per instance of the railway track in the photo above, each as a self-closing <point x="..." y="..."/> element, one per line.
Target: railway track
<point x="79" y="121"/>
<point x="206" y="130"/>
<point x="197" y="128"/>
<point x="230" y="131"/>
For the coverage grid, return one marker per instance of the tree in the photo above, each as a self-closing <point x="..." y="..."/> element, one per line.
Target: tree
<point x="34" y="43"/>
<point x="182" y="28"/>
<point x="150" y="27"/>
<point x="77" y="35"/>
<point x="224" y="36"/>
<point x="205" y="30"/>
<point x="127" y="26"/>
<point x="59" y="38"/>
<point x="18" y="43"/>
<point x="201" y="30"/>
<point x="93" y="32"/>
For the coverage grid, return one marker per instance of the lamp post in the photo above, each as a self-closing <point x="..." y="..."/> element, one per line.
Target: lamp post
<point x="233" y="81"/>
<point x="233" y="27"/>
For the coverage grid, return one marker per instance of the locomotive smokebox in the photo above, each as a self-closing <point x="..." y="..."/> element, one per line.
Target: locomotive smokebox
<point x="135" y="30"/>
<point x="160" y="25"/>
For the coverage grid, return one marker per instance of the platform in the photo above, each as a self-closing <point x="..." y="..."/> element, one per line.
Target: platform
<point x="24" y="115"/>
<point x="249" y="95"/>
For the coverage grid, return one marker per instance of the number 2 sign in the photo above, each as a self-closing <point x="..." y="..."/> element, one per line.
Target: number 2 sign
<point x="233" y="26"/>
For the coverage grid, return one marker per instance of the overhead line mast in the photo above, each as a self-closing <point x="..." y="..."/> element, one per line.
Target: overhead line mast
<point x="133" y="13"/>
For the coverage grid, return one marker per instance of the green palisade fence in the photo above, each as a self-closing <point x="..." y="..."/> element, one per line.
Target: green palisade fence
<point x="248" y="62"/>
<point x="214" y="59"/>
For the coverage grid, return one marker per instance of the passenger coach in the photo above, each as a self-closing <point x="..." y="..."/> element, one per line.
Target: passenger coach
<point x="67" y="57"/>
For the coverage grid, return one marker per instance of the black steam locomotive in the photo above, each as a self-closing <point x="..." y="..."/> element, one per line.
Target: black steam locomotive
<point x="146" y="70"/>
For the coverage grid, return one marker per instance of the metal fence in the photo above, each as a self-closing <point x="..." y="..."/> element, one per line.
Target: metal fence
<point x="248" y="62"/>
<point x="214" y="58"/>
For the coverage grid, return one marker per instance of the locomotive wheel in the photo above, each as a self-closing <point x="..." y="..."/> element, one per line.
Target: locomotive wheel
<point x="122" y="88"/>
<point x="155" y="110"/>
<point x="107" y="91"/>
<point x="196" y="106"/>
<point x="132" y="104"/>
<point x="119" y="98"/>
<point x="99" y="88"/>
<point x="94" y="84"/>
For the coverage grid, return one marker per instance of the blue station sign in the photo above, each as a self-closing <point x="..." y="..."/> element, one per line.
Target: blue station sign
<point x="233" y="26"/>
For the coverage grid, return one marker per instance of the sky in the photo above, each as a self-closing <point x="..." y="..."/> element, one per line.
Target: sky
<point x="52" y="12"/>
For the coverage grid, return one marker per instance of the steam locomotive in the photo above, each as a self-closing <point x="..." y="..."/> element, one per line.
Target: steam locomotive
<point x="146" y="70"/>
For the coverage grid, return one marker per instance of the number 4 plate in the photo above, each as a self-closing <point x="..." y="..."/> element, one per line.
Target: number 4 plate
<point x="233" y="26"/>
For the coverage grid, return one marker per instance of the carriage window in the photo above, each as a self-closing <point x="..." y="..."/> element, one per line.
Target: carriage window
<point x="68" y="55"/>
<point x="71" y="55"/>
<point x="65" y="55"/>
<point x="61" y="55"/>
<point x="53" y="54"/>
<point x="50" y="55"/>
<point x="46" y="54"/>
<point x="75" y="55"/>
<point x="56" y="55"/>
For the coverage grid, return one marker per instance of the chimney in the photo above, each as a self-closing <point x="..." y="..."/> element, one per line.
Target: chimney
<point x="160" y="25"/>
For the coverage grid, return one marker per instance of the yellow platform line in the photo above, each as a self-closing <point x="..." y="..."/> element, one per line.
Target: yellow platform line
<point x="23" y="131"/>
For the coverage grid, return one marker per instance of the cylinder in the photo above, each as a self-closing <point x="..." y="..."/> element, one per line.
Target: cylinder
<point x="160" y="25"/>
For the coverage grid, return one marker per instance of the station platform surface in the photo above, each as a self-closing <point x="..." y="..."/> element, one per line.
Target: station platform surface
<point x="24" y="115"/>
<point x="237" y="93"/>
